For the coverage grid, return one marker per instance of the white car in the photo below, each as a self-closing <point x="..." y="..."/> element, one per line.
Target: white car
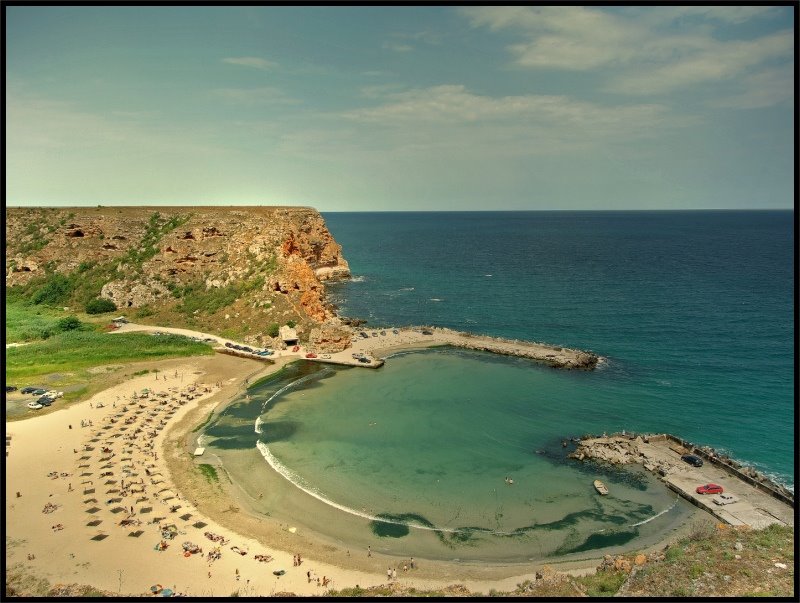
<point x="724" y="499"/>
<point x="55" y="394"/>
<point x="34" y="405"/>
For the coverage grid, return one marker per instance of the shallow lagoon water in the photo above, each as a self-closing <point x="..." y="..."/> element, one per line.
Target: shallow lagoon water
<point x="412" y="459"/>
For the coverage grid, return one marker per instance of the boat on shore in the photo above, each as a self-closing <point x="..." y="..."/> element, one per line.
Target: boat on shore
<point x="600" y="487"/>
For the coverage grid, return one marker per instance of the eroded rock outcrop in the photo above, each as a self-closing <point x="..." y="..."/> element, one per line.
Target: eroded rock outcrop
<point x="255" y="265"/>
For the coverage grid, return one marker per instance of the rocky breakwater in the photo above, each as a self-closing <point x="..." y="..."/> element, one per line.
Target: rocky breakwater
<point x="234" y="269"/>
<point x="617" y="450"/>
<point x="555" y="356"/>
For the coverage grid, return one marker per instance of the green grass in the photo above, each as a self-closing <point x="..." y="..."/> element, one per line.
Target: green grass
<point x="79" y="350"/>
<point x="29" y="323"/>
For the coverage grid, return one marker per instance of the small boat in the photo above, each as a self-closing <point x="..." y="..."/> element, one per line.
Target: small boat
<point x="600" y="487"/>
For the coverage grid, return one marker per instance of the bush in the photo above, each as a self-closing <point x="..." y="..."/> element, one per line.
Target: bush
<point x="69" y="323"/>
<point x="144" y="311"/>
<point x="291" y="324"/>
<point x="100" y="305"/>
<point x="273" y="330"/>
<point x="56" y="291"/>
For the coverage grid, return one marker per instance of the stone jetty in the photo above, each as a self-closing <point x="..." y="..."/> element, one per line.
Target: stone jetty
<point x="757" y="500"/>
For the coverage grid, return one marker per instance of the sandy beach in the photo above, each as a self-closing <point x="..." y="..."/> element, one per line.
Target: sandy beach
<point x="93" y="490"/>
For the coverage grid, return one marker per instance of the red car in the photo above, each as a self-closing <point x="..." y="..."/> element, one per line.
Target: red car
<point x="296" y="348"/>
<point x="311" y="355"/>
<point x="709" y="489"/>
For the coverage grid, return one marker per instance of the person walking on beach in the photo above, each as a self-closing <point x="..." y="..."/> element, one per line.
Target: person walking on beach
<point x="394" y="573"/>
<point x="308" y="575"/>
<point x="369" y="551"/>
<point x="412" y="563"/>
<point x="389" y="573"/>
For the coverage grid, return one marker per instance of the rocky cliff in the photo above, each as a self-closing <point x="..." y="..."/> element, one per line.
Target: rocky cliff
<point x="239" y="270"/>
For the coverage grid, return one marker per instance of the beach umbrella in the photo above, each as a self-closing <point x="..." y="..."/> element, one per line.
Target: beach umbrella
<point x="95" y="523"/>
<point x="156" y="588"/>
<point x="136" y="534"/>
<point x="93" y="510"/>
<point x="167" y="592"/>
<point x="99" y="537"/>
<point x="117" y="510"/>
<point x="199" y="524"/>
<point x="186" y="516"/>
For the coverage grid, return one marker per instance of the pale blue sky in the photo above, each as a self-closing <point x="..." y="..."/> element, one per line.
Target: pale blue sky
<point x="401" y="108"/>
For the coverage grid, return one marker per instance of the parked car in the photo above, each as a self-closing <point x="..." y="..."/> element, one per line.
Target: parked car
<point x="364" y="335"/>
<point x="311" y="355"/>
<point x="27" y="390"/>
<point x="34" y="405"/>
<point x="426" y="332"/>
<point x="296" y="348"/>
<point x="39" y="391"/>
<point x="692" y="460"/>
<point x="374" y="334"/>
<point x="725" y="499"/>
<point x="383" y="333"/>
<point x="364" y="360"/>
<point x="247" y="349"/>
<point x="395" y="331"/>
<point x="228" y="344"/>
<point x="44" y="401"/>
<point x="10" y="388"/>
<point x="709" y="489"/>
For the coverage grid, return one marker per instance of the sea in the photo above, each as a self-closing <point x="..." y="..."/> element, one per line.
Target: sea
<point x="692" y="313"/>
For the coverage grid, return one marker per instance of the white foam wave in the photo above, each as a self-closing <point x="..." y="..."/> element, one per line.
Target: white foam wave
<point x="649" y="519"/>
<point x="299" y="483"/>
<point x="258" y="425"/>
<point x="406" y="288"/>
<point x="358" y="279"/>
<point x="435" y="299"/>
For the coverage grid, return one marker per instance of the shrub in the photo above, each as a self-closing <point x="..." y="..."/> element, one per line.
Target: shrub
<point x="291" y="324"/>
<point x="68" y="323"/>
<point x="100" y="305"/>
<point x="55" y="291"/>
<point x="273" y="330"/>
<point x="144" y="311"/>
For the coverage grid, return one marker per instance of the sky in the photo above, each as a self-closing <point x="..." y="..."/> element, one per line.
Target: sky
<point x="401" y="108"/>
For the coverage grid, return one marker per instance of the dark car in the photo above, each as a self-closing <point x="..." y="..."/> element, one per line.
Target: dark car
<point x="395" y="331"/>
<point x="228" y="344"/>
<point x="11" y="388"/>
<point x="426" y="332"/>
<point x="39" y="392"/>
<point x="363" y="334"/>
<point x="27" y="390"/>
<point x="45" y="401"/>
<point x="247" y="349"/>
<point x="692" y="460"/>
<point x="364" y="360"/>
<point x="709" y="489"/>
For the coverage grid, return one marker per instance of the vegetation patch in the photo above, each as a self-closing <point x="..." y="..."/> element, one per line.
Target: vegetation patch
<point x="209" y="472"/>
<point x="100" y="305"/>
<point x="78" y="350"/>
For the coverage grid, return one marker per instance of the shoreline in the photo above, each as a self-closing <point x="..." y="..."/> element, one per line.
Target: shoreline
<point x="39" y="443"/>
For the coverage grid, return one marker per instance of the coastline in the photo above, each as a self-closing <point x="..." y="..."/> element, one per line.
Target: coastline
<point x="39" y="443"/>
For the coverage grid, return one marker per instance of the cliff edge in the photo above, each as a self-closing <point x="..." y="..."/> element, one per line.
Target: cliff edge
<point x="239" y="271"/>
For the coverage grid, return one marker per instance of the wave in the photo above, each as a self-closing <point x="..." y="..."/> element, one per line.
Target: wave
<point x="436" y="299"/>
<point x="649" y="519"/>
<point x="406" y="288"/>
<point x="358" y="279"/>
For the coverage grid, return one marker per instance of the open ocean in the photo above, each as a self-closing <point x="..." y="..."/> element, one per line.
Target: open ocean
<point x="692" y="310"/>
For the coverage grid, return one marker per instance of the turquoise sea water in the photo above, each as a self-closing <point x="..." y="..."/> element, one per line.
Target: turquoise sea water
<point x="692" y="310"/>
